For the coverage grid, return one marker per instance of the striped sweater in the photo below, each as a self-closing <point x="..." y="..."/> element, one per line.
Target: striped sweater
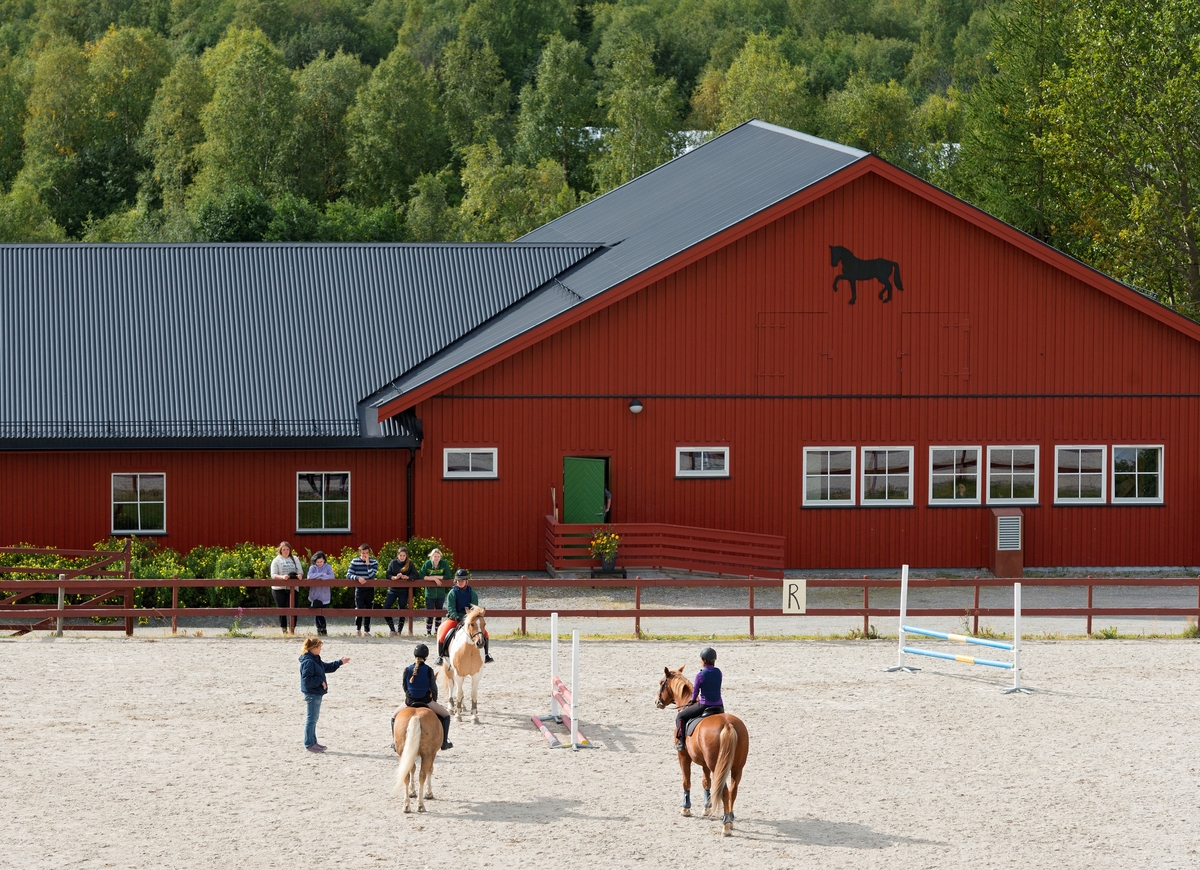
<point x="362" y="570"/>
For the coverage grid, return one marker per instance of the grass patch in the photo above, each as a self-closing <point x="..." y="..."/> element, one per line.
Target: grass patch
<point x="1109" y="633"/>
<point x="858" y="634"/>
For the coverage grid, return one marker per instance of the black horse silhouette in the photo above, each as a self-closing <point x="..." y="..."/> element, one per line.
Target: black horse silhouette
<point x="855" y="270"/>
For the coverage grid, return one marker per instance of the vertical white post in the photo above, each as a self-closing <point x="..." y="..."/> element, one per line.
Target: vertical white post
<point x="903" y="612"/>
<point x="575" y="688"/>
<point x="61" y="605"/>
<point x="554" y="711"/>
<point x="1016" y="635"/>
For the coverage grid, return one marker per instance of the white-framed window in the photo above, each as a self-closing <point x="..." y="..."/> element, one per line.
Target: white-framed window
<point x="886" y="476"/>
<point x="1079" y="474"/>
<point x="702" y="462"/>
<point x="1012" y="474"/>
<point x="469" y="462"/>
<point x="954" y="476"/>
<point x="139" y="503"/>
<point x="828" y="476"/>
<point x="1137" y="473"/>
<point x="323" y="501"/>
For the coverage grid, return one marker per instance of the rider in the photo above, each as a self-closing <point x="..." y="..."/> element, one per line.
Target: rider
<point x="706" y="695"/>
<point x="458" y="600"/>
<point x="420" y="690"/>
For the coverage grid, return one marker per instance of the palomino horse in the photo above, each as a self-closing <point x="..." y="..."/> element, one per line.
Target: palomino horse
<point x="416" y="731"/>
<point x="719" y="745"/>
<point x="465" y="659"/>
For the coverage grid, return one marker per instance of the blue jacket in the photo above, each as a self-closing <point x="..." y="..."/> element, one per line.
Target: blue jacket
<point x="313" y="671"/>
<point x="707" y="688"/>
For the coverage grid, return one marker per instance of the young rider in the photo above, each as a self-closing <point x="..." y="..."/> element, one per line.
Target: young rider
<point x="420" y="690"/>
<point x="458" y="600"/>
<point x="706" y="694"/>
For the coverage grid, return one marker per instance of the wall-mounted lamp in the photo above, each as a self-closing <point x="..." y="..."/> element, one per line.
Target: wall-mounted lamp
<point x="636" y="406"/>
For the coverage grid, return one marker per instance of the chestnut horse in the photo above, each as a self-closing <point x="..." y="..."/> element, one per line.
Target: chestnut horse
<point x="719" y="745"/>
<point x="465" y="659"/>
<point x="416" y="731"/>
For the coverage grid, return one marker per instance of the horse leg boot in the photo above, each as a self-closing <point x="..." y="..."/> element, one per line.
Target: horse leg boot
<point x="446" y="744"/>
<point x="685" y="765"/>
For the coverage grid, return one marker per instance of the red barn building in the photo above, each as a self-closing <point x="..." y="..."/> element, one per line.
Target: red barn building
<point x="770" y="334"/>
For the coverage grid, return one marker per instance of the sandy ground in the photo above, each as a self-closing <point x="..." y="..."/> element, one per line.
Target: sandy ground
<point x="187" y="752"/>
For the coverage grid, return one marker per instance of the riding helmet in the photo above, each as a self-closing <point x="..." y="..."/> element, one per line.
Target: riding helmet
<point x="421" y="651"/>
<point x="461" y="574"/>
<point x="708" y="655"/>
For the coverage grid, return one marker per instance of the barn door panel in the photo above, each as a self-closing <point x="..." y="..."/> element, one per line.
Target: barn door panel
<point x="935" y="354"/>
<point x="583" y="490"/>
<point x="791" y="353"/>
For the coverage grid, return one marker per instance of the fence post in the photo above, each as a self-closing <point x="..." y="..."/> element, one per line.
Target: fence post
<point x="62" y="602"/>
<point x="750" y="579"/>
<point x="866" y="608"/>
<point x="524" y="633"/>
<point x="174" y="607"/>
<point x="637" y="605"/>
<point x="292" y="606"/>
<point x="1089" y="616"/>
<point x="129" y="593"/>
<point x="975" y="625"/>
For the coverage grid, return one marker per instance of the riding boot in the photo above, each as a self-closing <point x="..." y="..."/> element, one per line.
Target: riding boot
<point x="487" y="656"/>
<point x="446" y="744"/>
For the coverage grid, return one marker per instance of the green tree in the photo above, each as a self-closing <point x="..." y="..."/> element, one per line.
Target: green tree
<point x="12" y="119"/>
<point x="875" y="117"/>
<point x="25" y="218"/>
<point x="325" y="91"/>
<point x="347" y="222"/>
<point x="503" y="201"/>
<point x="516" y="29"/>
<point x="1123" y="142"/>
<point x="294" y="219"/>
<point x="556" y="110"/>
<point x="235" y="213"/>
<point x="173" y="133"/>
<point x="395" y="131"/>
<point x="642" y="114"/>
<point x="428" y="216"/>
<point x="762" y="83"/>
<point x="475" y="94"/>
<point x="247" y="124"/>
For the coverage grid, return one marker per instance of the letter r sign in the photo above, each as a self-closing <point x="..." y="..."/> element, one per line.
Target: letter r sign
<point x="793" y="596"/>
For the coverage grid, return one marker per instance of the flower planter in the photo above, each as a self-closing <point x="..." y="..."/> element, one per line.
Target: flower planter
<point x="608" y="564"/>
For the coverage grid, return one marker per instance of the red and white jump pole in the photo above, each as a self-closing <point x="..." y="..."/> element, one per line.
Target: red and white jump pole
<point x="564" y="702"/>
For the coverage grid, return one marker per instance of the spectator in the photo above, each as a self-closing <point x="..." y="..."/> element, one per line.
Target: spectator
<point x="363" y="567"/>
<point x="314" y="687"/>
<point x="318" y="596"/>
<point x="435" y="596"/>
<point x="401" y="568"/>
<point x="285" y="566"/>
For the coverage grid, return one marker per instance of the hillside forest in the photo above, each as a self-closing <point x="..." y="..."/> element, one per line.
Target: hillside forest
<point x="478" y="120"/>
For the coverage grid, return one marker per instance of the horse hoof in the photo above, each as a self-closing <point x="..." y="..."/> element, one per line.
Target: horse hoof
<point x="686" y="811"/>
<point x="421" y="809"/>
<point x="407" y="808"/>
<point x="727" y="830"/>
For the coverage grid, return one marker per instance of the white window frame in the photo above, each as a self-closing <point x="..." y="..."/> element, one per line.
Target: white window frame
<point x="1113" y="473"/>
<point x="447" y="474"/>
<point x="112" y="503"/>
<point x="1037" y="474"/>
<point x="349" y="503"/>
<point x="1104" y="463"/>
<point x="679" y="451"/>
<point x="823" y="502"/>
<point x="862" y="480"/>
<point x="979" y="476"/>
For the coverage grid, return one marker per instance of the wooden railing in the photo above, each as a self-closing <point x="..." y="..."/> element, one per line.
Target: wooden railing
<point x="660" y="545"/>
<point x="106" y="565"/>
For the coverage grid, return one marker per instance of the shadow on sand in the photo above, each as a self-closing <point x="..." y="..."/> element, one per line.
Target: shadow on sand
<point x="539" y="811"/>
<point x="817" y="832"/>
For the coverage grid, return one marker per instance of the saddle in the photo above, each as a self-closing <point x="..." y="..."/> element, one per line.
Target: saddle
<point x="708" y="711"/>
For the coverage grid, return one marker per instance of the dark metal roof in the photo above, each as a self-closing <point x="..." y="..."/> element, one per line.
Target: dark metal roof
<point x="651" y="219"/>
<point x="260" y="341"/>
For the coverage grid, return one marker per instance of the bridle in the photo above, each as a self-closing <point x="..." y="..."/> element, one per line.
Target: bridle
<point x="664" y="687"/>
<point x="475" y="637"/>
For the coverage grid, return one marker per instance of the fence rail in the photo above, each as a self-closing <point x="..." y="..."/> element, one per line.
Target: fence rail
<point x="35" y="616"/>
<point x="661" y="545"/>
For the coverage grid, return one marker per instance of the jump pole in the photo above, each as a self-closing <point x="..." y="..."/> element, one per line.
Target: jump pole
<point x="564" y="703"/>
<point x="900" y="665"/>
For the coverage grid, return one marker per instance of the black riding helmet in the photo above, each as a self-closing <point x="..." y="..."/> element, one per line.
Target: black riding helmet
<point x="708" y="655"/>
<point x="420" y="651"/>
<point x="461" y="574"/>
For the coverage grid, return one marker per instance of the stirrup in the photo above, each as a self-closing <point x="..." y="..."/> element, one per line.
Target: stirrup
<point x="446" y="744"/>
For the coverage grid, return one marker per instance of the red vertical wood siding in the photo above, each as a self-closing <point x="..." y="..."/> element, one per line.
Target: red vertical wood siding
<point x="986" y="345"/>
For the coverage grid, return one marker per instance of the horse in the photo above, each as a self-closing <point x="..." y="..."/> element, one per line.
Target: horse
<point x="855" y="270"/>
<point x="416" y="731"/>
<point x="465" y="659"/>
<point x="719" y="745"/>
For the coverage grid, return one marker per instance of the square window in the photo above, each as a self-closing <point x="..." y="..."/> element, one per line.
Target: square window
<point x="323" y="501"/>
<point x="954" y="475"/>
<point x="702" y="462"/>
<point x="1137" y="474"/>
<point x="139" y="503"/>
<point x="887" y="475"/>
<point x="469" y="462"/>
<point x="828" y="476"/>
<point x="1079" y="475"/>
<point x="1012" y="475"/>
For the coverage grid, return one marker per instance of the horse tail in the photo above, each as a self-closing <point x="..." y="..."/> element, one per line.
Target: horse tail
<point x="727" y="748"/>
<point x="896" y="274"/>
<point x="408" y="757"/>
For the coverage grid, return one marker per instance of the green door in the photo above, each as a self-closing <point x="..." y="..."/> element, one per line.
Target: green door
<point x="583" y="490"/>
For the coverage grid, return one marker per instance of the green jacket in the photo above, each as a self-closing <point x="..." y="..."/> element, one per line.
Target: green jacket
<point x="445" y="569"/>
<point x="457" y="610"/>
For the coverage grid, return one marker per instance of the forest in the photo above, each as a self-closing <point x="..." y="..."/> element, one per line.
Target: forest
<point x="478" y="120"/>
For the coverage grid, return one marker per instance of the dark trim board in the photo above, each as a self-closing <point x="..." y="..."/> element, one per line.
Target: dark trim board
<point x="45" y="445"/>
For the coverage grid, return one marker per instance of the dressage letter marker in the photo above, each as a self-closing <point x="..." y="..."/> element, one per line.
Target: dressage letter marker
<point x="793" y="596"/>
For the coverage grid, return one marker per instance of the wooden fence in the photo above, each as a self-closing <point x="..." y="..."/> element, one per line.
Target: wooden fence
<point x="38" y="616"/>
<point x="104" y="565"/>
<point x="660" y="545"/>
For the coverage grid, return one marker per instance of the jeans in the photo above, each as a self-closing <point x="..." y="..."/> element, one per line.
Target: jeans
<point x="319" y="619"/>
<point x="364" y="599"/>
<point x="281" y="600"/>
<point x="312" y="704"/>
<point x="394" y="596"/>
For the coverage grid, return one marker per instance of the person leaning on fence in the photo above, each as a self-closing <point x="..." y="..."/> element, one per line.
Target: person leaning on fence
<point x="285" y="566"/>
<point x="363" y="567"/>
<point x="318" y="596"/>
<point x="706" y="695"/>
<point x="401" y="568"/>
<point x="420" y="690"/>
<point x="461" y="597"/>
<point x="313" y="686"/>
<point x="435" y="596"/>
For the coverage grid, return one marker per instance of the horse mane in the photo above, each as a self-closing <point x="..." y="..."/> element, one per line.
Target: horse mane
<point x="474" y="614"/>
<point x="678" y="675"/>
